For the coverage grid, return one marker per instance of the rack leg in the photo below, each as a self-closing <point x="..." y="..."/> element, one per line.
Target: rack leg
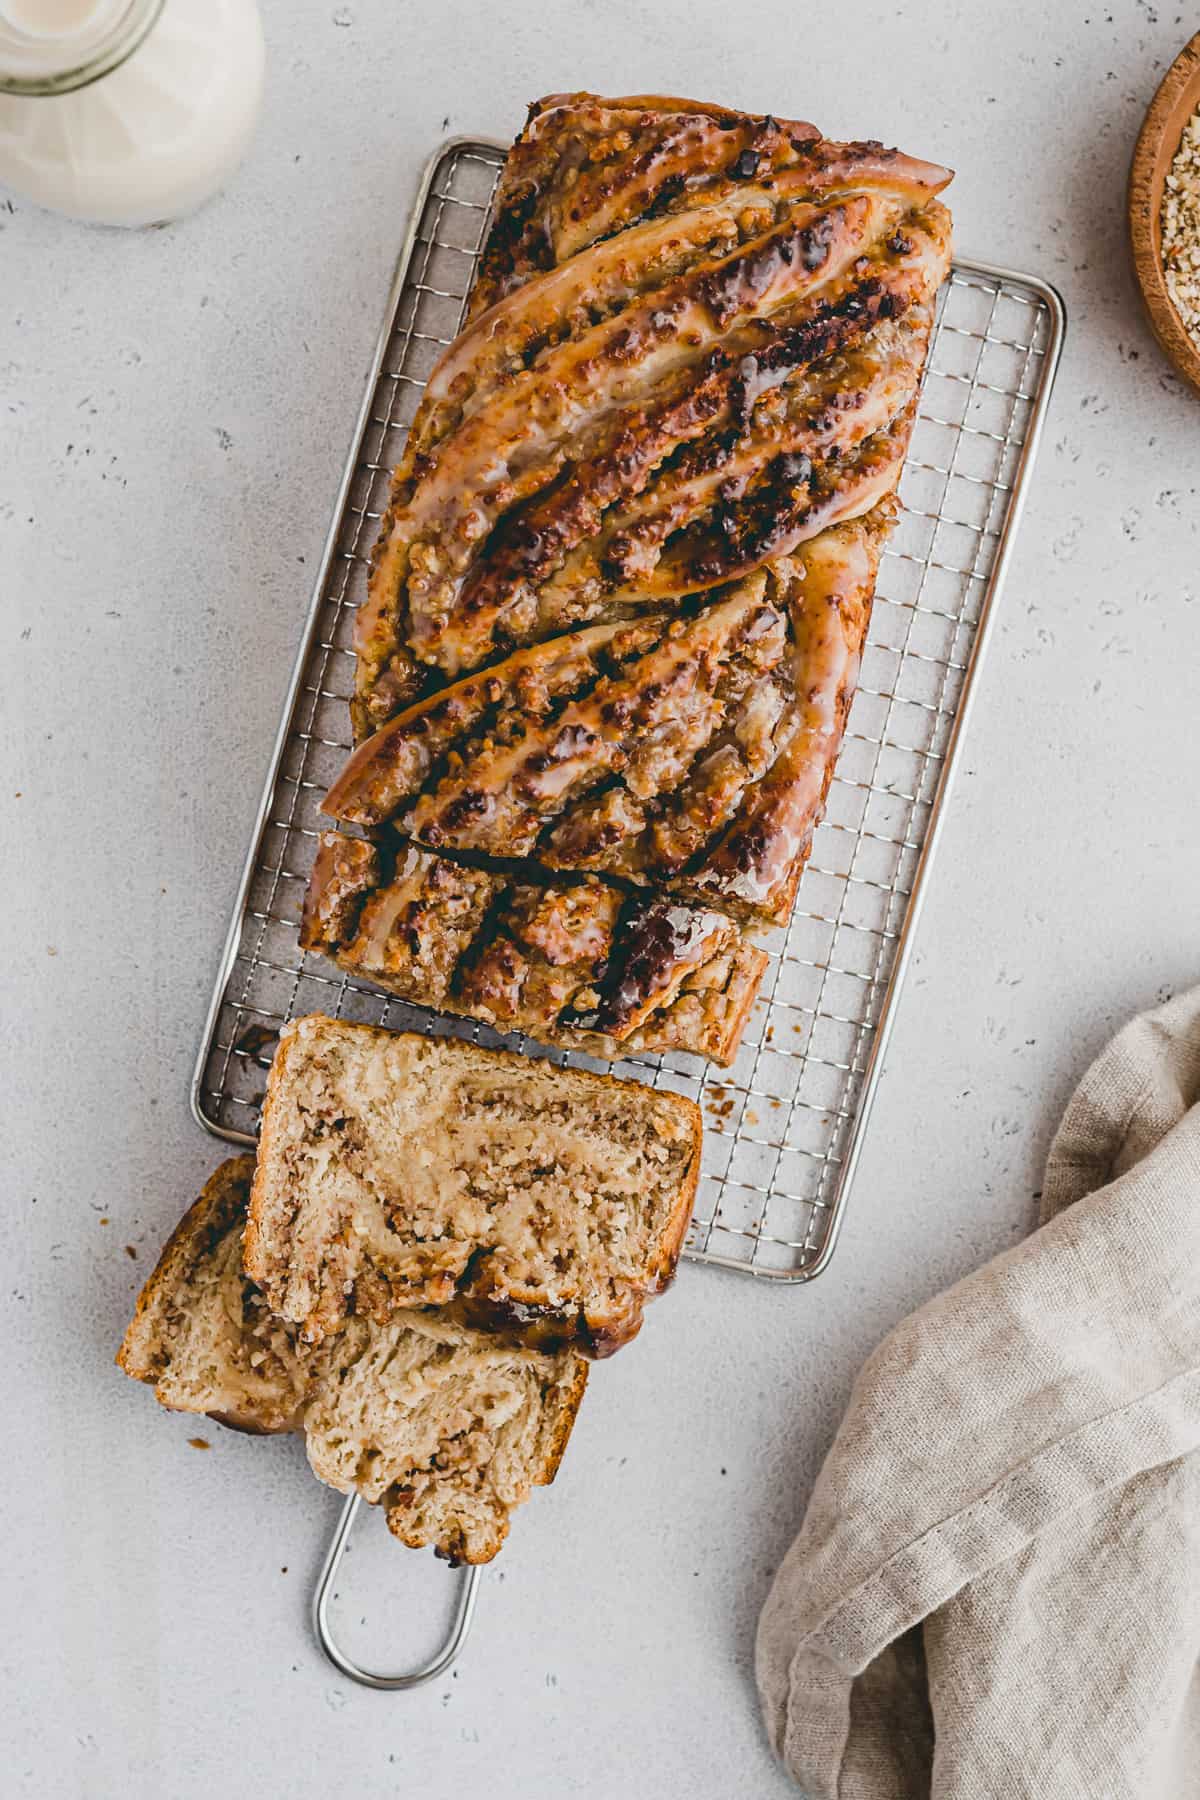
<point x="426" y="1671"/>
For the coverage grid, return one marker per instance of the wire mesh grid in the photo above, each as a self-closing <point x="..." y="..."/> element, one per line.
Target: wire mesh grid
<point x="783" y="1125"/>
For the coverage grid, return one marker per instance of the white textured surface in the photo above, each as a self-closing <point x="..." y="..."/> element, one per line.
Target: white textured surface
<point x="176" y="407"/>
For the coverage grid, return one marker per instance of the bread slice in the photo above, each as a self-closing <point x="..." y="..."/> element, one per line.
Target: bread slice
<point x="580" y="964"/>
<point x="396" y="1169"/>
<point x="446" y="1428"/>
<point x="203" y="1335"/>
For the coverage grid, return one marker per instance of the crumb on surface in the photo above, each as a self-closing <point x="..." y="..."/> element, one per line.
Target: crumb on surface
<point x="200" y="1443"/>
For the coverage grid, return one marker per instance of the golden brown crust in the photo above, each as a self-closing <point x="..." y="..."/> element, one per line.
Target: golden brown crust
<point x="721" y="1032"/>
<point x="693" y="351"/>
<point x="397" y="916"/>
<point x="569" y="1405"/>
<point x="222" y="1200"/>
<point x="400" y="758"/>
<point x="615" y="774"/>
<point x="585" y="166"/>
<point x="202" y="1335"/>
<point x="579" y="964"/>
<point x="254" y="1254"/>
<point x="690" y="335"/>
<point x="693" y="753"/>
<point x="344" y="872"/>
<point x="756" y="866"/>
<point x="742" y="484"/>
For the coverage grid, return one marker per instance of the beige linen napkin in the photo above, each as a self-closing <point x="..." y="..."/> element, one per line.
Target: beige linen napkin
<point x="996" y="1591"/>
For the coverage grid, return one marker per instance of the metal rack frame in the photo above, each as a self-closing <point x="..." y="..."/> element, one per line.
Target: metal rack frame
<point x="786" y="1125"/>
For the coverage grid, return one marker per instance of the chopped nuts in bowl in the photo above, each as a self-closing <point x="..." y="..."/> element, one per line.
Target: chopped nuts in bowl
<point x="1180" y="227"/>
<point x="1164" y="212"/>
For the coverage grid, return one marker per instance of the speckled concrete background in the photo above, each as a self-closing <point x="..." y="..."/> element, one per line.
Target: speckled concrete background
<point x="176" y="408"/>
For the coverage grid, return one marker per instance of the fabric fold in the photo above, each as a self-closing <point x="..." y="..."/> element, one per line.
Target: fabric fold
<point x="978" y="1601"/>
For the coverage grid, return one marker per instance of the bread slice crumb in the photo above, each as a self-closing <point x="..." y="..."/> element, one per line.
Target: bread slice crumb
<point x="397" y="1169"/>
<point x="446" y="1428"/>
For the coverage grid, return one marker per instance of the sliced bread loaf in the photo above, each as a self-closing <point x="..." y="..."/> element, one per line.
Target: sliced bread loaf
<point x="446" y="1428"/>
<point x="575" y="963"/>
<point x="396" y="1169"/>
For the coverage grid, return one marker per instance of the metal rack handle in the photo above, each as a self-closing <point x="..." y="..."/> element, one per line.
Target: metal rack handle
<point x="427" y="1671"/>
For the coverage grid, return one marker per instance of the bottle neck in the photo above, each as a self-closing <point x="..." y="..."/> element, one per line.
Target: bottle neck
<point x="50" y="47"/>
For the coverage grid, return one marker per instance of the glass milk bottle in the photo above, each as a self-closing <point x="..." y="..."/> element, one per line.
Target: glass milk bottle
<point x="126" y="112"/>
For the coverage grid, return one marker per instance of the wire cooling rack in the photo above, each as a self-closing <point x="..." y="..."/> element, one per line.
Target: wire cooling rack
<point x="785" y="1124"/>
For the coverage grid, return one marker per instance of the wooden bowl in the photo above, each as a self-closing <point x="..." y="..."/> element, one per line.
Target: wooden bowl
<point x="1172" y="107"/>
